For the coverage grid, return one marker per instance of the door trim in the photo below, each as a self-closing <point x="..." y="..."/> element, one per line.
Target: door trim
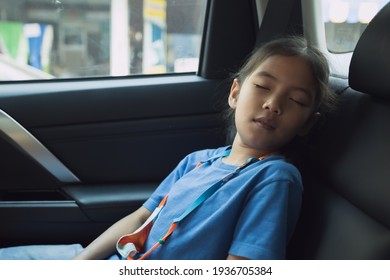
<point x="26" y="142"/>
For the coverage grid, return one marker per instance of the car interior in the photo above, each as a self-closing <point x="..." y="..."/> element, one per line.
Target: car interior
<point x="78" y="154"/>
<point x="346" y="211"/>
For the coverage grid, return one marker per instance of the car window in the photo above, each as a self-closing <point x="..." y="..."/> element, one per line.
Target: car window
<point x="42" y="39"/>
<point x="345" y="21"/>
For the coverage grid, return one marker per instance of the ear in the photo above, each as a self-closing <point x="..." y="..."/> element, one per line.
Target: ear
<point x="309" y="124"/>
<point x="234" y="92"/>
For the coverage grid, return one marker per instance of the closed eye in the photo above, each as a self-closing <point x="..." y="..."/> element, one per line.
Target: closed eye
<point x="261" y="87"/>
<point x="299" y="102"/>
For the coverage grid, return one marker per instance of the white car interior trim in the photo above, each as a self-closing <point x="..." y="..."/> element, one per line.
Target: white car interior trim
<point x="26" y="142"/>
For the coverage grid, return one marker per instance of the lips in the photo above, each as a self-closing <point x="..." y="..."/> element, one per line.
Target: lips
<point x="266" y="123"/>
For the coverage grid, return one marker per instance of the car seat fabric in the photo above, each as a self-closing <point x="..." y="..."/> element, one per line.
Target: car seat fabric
<point x="346" y="171"/>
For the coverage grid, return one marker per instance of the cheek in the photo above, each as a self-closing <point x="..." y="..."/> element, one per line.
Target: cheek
<point x="244" y="105"/>
<point x="239" y="115"/>
<point x="299" y="120"/>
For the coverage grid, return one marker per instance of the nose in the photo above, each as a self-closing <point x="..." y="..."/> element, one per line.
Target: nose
<point x="273" y="104"/>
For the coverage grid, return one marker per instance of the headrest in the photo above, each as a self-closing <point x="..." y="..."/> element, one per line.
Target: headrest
<point x="369" y="71"/>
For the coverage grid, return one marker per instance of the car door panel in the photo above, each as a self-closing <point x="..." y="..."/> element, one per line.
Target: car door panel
<point x="119" y="138"/>
<point x="71" y="214"/>
<point x="103" y="203"/>
<point x="136" y="150"/>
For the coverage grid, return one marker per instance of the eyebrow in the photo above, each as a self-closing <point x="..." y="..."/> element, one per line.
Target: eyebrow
<point x="272" y="77"/>
<point x="266" y="74"/>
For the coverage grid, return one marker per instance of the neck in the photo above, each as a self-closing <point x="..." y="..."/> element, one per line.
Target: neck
<point x="240" y="154"/>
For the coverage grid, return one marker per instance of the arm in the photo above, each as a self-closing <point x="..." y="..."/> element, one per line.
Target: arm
<point x="234" y="257"/>
<point x="105" y="245"/>
<point x="267" y="222"/>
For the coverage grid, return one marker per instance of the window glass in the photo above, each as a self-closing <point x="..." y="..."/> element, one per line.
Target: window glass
<point x="345" y="21"/>
<point x="42" y="39"/>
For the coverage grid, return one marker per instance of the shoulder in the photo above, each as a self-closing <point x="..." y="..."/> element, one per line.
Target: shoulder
<point x="277" y="164"/>
<point x="275" y="168"/>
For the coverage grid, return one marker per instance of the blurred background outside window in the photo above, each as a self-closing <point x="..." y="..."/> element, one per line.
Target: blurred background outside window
<point x="42" y="39"/>
<point x="345" y="21"/>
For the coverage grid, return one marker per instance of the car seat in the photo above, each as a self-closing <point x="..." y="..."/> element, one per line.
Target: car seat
<point x="346" y="170"/>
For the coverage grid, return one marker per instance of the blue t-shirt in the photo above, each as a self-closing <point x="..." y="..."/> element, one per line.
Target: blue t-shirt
<point x="253" y="215"/>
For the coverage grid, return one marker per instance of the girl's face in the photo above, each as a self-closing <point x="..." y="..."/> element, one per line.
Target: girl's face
<point x="274" y="104"/>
